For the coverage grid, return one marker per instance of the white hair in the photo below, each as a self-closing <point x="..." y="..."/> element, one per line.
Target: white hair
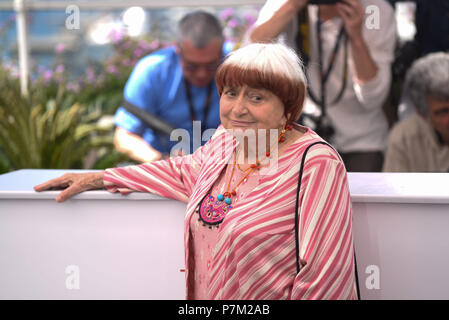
<point x="274" y="58"/>
<point x="428" y="76"/>
<point x="272" y="66"/>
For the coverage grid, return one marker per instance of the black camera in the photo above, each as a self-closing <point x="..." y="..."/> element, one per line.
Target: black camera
<point x="324" y="1"/>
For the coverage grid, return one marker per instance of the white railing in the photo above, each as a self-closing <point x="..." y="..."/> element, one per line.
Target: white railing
<point x="102" y="5"/>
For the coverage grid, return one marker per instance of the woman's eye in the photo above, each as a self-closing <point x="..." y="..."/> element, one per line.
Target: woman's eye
<point x="230" y="93"/>
<point x="256" y="98"/>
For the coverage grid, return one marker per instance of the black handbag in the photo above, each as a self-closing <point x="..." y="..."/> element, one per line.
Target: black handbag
<point x="298" y="265"/>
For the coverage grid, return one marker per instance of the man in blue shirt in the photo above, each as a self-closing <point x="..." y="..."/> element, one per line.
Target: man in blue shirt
<point x="177" y="85"/>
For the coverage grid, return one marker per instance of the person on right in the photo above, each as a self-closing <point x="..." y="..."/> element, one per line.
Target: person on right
<point x="420" y="143"/>
<point x="349" y="46"/>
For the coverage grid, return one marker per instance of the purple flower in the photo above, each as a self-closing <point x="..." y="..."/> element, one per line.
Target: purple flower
<point x="155" y="44"/>
<point x="249" y="18"/>
<point x="60" y="68"/>
<point x="143" y="45"/>
<point x="90" y="75"/>
<point x="233" y="23"/>
<point x="12" y="69"/>
<point x="73" y="86"/>
<point x="15" y="73"/>
<point x="48" y="74"/>
<point x="116" y="35"/>
<point x="227" y="13"/>
<point x="124" y="45"/>
<point x="127" y="62"/>
<point x="60" y="48"/>
<point x="112" y="69"/>
<point x="138" y="52"/>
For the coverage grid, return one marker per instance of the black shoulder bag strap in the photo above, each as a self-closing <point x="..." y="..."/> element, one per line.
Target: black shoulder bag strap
<point x="298" y="264"/>
<point x="148" y="118"/>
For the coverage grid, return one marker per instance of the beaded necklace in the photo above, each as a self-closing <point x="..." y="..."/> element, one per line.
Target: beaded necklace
<point x="212" y="212"/>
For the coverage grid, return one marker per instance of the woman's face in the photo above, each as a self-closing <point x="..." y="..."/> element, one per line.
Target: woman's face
<point x="247" y="108"/>
<point x="439" y="116"/>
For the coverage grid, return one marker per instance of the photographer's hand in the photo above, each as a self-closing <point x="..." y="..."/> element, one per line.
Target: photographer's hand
<point x="298" y="4"/>
<point x="353" y="15"/>
<point x="73" y="183"/>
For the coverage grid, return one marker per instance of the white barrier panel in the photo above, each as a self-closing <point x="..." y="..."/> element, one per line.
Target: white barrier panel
<point x="107" y="246"/>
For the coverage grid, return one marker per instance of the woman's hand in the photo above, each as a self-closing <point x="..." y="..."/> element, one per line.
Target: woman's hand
<point x="73" y="183"/>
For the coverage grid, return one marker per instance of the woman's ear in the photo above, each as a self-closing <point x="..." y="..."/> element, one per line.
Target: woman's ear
<point x="287" y="118"/>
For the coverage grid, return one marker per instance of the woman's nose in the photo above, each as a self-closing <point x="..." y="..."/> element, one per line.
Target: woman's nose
<point x="239" y="106"/>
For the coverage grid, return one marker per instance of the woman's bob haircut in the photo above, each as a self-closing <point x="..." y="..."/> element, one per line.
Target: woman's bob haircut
<point x="270" y="66"/>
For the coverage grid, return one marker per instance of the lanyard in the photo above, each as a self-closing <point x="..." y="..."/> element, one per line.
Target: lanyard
<point x="324" y="74"/>
<point x="206" y="104"/>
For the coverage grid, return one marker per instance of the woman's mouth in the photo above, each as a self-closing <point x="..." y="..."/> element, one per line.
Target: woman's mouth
<point x="238" y="123"/>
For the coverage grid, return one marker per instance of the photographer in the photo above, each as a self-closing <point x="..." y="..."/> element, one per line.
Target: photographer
<point x="348" y="46"/>
<point x="175" y="84"/>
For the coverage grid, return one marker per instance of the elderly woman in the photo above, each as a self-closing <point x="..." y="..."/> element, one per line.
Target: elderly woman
<point x="420" y="142"/>
<point x="241" y="191"/>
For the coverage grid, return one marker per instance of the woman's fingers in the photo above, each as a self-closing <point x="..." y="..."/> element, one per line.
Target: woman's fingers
<point x="73" y="183"/>
<point x="69" y="192"/>
<point x="57" y="183"/>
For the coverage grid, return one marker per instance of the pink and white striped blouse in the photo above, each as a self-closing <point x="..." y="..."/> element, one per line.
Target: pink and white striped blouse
<point x="254" y="253"/>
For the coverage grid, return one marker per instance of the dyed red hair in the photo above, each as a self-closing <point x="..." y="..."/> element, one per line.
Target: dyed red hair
<point x="290" y="92"/>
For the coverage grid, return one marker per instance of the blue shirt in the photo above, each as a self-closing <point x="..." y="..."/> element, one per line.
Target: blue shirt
<point x="156" y="85"/>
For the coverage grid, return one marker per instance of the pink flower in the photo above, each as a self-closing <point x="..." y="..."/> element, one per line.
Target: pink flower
<point x="48" y="74"/>
<point x="125" y="45"/>
<point x="249" y="18"/>
<point x="233" y="23"/>
<point x="15" y="73"/>
<point x="90" y="75"/>
<point x="60" y="48"/>
<point x="73" y="86"/>
<point x="155" y="44"/>
<point x="143" y="45"/>
<point x="116" y="35"/>
<point x="112" y="69"/>
<point x="227" y="13"/>
<point x="60" y="68"/>
<point x="138" y="52"/>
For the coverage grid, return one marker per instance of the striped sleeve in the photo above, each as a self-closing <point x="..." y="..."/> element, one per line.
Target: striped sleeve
<point x="173" y="178"/>
<point x="325" y="233"/>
